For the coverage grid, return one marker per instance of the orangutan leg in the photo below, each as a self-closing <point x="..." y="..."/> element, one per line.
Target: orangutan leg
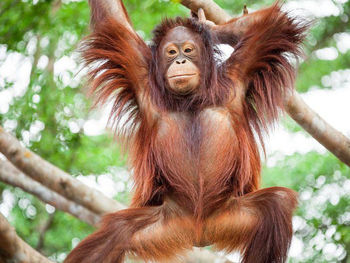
<point x="148" y="233"/>
<point x="165" y="240"/>
<point x="258" y="224"/>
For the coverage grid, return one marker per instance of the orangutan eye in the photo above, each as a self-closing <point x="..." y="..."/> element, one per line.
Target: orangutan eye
<point x="172" y="52"/>
<point x="188" y="50"/>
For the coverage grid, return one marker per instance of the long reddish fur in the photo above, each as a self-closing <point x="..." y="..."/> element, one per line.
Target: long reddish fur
<point x="268" y="49"/>
<point x="125" y="69"/>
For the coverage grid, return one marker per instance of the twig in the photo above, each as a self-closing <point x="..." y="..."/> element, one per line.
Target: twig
<point x="43" y="229"/>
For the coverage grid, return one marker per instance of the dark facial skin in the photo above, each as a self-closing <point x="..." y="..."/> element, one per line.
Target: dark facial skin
<point x="180" y="57"/>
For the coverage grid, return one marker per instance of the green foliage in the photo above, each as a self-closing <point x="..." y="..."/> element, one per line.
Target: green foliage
<point x="53" y="30"/>
<point x="314" y="69"/>
<point x="323" y="31"/>
<point x="298" y="169"/>
<point x="41" y="116"/>
<point x="64" y="226"/>
<point x="20" y="17"/>
<point x="323" y="184"/>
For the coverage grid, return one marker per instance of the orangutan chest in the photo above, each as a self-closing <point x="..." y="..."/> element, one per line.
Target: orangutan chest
<point x="200" y="144"/>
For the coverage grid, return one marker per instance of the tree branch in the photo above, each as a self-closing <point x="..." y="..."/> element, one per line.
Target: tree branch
<point x="9" y="174"/>
<point x="325" y="134"/>
<point x="211" y="9"/>
<point x="43" y="230"/>
<point x="13" y="249"/>
<point x="54" y="178"/>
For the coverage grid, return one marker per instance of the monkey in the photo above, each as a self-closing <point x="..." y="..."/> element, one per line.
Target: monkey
<point x="193" y="127"/>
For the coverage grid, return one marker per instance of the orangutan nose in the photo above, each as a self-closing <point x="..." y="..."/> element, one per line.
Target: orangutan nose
<point x="181" y="61"/>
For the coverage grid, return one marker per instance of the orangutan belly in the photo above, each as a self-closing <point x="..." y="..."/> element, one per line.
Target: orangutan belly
<point x="196" y="149"/>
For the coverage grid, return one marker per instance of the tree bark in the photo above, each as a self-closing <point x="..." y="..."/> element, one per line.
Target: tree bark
<point x="12" y="176"/>
<point x="13" y="249"/>
<point x="325" y="134"/>
<point x="318" y="128"/>
<point x="211" y="9"/>
<point x="54" y="178"/>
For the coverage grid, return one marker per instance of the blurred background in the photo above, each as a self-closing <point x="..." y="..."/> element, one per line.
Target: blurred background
<point x="42" y="102"/>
